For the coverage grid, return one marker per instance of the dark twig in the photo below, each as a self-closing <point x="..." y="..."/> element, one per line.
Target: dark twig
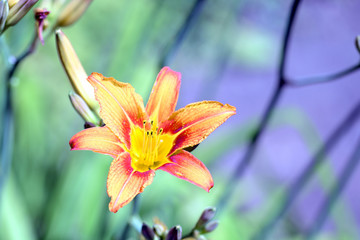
<point x="171" y="50"/>
<point x="248" y="157"/>
<point x="324" y="78"/>
<point x="313" y="165"/>
<point x="335" y="192"/>
<point x="8" y="118"/>
<point x="134" y="211"/>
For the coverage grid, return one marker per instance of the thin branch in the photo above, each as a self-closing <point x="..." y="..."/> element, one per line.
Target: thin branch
<point x="335" y="192"/>
<point x="248" y="157"/>
<point x="8" y="115"/>
<point x="286" y="39"/>
<point x="190" y="19"/>
<point x="324" y="78"/>
<point x="313" y="165"/>
<point x="134" y="211"/>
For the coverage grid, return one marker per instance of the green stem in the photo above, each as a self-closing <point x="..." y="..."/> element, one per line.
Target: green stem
<point x="335" y="192"/>
<point x="265" y="119"/>
<point x="134" y="211"/>
<point x="7" y="136"/>
<point x="324" y="78"/>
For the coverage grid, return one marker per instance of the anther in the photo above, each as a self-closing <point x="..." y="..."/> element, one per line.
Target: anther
<point x="144" y="123"/>
<point x="152" y="122"/>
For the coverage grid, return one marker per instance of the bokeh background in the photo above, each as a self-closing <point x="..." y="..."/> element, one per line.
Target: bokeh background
<point x="229" y="53"/>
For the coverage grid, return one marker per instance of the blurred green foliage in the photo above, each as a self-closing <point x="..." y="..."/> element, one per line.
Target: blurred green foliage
<point x="52" y="193"/>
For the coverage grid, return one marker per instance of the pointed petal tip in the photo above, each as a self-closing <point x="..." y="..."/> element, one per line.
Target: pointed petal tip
<point x="210" y="187"/>
<point x="230" y="108"/>
<point x="168" y="70"/>
<point x="114" y="208"/>
<point x="95" y="76"/>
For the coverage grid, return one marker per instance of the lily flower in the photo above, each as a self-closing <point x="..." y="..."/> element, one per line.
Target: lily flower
<point x="142" y="140"/>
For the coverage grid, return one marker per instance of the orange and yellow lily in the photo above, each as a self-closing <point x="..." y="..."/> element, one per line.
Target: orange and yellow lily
<point x="142" y="140"/>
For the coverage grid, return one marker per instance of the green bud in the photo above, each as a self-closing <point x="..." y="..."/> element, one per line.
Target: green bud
<point x="83" y="109"/>
<point x="72" y="12"/>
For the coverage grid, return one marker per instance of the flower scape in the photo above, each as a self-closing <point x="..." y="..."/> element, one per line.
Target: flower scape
<point x="145" y="139"/>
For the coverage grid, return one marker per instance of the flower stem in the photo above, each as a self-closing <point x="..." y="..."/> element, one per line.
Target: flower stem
<point x="134" y="211"/>
<point x="335" y="192"/>
<point x="310" y="169"/>
<point x="174" y="46"/>
<point x="7" y="135"/>
<point x="324" y="78"/>
<point x="248" y="157"/>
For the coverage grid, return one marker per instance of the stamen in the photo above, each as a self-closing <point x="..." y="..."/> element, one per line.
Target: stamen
<point x="150" y="152"/>
<point x="144" y="139"/>
<point x="158" y="141"/>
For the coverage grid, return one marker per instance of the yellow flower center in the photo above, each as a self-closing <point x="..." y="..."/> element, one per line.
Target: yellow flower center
<point x="149" y="147"/>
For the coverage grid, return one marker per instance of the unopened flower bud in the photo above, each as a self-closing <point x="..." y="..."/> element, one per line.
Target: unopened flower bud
<point x="159" y="229"/>
<point x="147" y="232"/>
<point x="18" y="11"/>
<point x="72" y="12"/>
<point x="75" y="70"/>
<point x="210" y="226"/>
<point x="357" y="43"/>
<point x="83" y="109"/>
<point x="174" y="233"/>
<point x="4" y="11"/>
<point x="206" y="216"/>
<point x="12" y="3"/>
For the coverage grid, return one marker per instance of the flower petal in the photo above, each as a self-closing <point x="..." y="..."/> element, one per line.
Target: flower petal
<point x="123" y="183"/>
<point x="97" y="139"/>
<point x="196" y="121"/>
<point x="120" y="106"/>
<point x="164" y="95"/>
<point x="185" y="166"/>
